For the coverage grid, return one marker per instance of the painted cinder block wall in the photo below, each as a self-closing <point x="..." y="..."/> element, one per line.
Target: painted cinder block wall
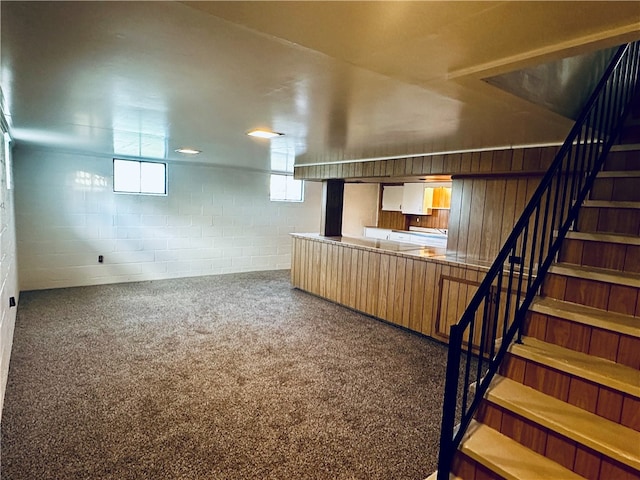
<point x="214" y="220"/>
<point x="8" y="268"/>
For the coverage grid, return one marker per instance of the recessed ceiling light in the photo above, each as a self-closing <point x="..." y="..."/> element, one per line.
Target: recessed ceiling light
<point x="261" y="133"/>
<point x="188" y="151"/>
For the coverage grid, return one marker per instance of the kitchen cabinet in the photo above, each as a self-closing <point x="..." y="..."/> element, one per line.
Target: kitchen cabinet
<point x="438" y="197"/>
<point x="392" y="196"/>
<point x="402" y="237"/>
<point x="414" y="201"/>
<point x="377" y="233"/>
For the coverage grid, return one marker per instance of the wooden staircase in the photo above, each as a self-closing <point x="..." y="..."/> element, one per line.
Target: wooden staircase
<point x="566" y="402"/>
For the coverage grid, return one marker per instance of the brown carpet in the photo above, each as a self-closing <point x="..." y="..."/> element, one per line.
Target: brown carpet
<point x="222" y="377"/>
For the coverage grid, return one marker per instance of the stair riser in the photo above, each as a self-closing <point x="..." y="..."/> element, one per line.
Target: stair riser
<point x="630" y="134"/>
<point x="465" y="467"/>
<point x="600" y="400"/>
<point x="616" y="189"/>
<point x="614" y="256"/>
<point x="622" y="161"/>
<point x="593" y="293"/>
<point x="624" y="221"/>
<point x="613" y="346"/>
<point x="568" y="453"/>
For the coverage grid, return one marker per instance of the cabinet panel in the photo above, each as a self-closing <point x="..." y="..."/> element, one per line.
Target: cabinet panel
<point x="392" y="197"/>
<point x="413" y="199"/>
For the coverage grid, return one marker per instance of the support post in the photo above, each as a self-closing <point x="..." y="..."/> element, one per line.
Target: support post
<point x="332" y="205"/>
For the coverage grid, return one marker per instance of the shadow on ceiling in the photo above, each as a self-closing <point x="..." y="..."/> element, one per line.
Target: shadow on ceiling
<point x="562" y="86"/>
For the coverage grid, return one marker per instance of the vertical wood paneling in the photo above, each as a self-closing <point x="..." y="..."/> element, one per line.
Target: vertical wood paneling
<point x="439" y="218"/>
<point x="353" y="280"/>
<point x="437" y="162"/>
<point x="409" y="165"/>
<point x="346" y="275"/>
<point x="547" y="155"/>
<point x="416" y="168"/>
<point x="461" y="243"/>
<point x="455" y="216"/>
<point x="306" y="260"/>
<point x="509" y="211"/>
<point x="373" y="285"/>
<point x="398" y="297"/>
<point x="399" y="167"/>
<point x="502" y="161"/>
<point x="486" y="161"/>
<point x="392" y="220"/>
<point x="339" y="271"/>
<point x="322" y="287"/>
<point x="452" y="163"/>
<point x="363" y="286"/>
<point x="429" y="308"/>
<point x="465" y="162"/>
<point x="400" y="289"/>
<point x="390" y="167"/>
<point x="408" y="285"/>
<point x="531" y="159"/>
<point x="417" y="295"/>
<point x="294" y="258"/>
<point x="475" y="161"/>
<point x="476" y="230"/>
<point x="497" y="161"/>
<point x="391" y="292"/>
<point x="332" y="255"/>
<point x="492" y="221"/>
<point x="383" y="286"/>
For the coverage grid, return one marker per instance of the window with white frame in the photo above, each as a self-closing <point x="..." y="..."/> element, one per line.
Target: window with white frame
<point x="283" y="187"/>
<point x="141" y="177"/>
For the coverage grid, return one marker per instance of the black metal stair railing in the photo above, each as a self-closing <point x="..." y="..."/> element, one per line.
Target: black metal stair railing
<point x="495" y="315"/>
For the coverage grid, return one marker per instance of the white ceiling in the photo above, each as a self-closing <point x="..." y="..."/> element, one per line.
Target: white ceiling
<point x="341" y="80"/>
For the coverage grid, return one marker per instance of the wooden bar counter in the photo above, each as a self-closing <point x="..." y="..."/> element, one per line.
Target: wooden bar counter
<point x="419" y="288"/>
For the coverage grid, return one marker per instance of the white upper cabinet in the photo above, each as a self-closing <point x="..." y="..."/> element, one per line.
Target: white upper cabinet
<point x="392" y="197"/>
<point x="414" y="201"/>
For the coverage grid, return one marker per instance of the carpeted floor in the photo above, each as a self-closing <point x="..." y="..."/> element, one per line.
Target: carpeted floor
<point x="223" y="377"/>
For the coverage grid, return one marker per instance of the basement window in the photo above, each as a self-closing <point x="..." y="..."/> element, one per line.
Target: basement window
<point x="285" y="188"/>
<point x="138" y="177"/>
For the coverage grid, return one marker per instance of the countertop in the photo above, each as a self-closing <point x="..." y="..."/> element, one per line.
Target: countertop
<point x="437" y="254"/>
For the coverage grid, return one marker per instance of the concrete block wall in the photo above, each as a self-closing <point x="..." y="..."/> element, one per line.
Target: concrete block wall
<point x="8" y="270"/>
<point x="213" y="220"/>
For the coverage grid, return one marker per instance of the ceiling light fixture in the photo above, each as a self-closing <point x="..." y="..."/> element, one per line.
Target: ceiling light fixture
<point x="261" y="133"/>
<point x="188" y="151"/>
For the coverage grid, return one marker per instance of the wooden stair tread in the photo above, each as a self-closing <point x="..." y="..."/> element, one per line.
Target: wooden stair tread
<point x="610" y="204"/>
<point x="628" y="279"/>
<point x="609" y="438"/>
<point x="625" y="147"/>
<point x="604" y="237"/>
<point x="508" y="458"/>
<point x="595" y="369"/>
<point x="434" y="476"/>
<point x="618" y="173"/>
<point x="595" y="317"/>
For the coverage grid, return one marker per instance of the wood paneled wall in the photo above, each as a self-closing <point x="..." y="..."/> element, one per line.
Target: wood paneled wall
<point x="439" y="218"/>
<point x="483" y="213"/>
<point x="423" y="295"/>
<point x="503" y="161"/>
<point x="393" y="220"/>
